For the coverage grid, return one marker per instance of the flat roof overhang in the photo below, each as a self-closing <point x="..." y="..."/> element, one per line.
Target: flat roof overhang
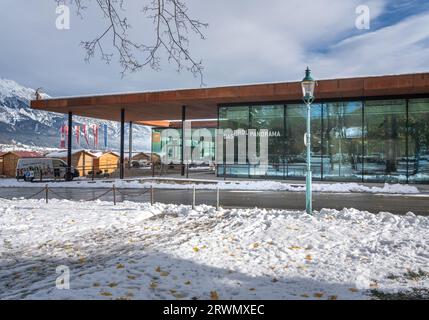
<point x="159" y="107"/>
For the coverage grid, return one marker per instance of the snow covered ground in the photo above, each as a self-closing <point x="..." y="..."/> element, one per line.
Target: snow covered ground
<point x="135" y="251"/>
<point x="268" y="185"/>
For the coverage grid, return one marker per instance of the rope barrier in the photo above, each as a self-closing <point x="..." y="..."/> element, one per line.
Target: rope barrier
<point x="101" y="195"/>
<point x="57" y="194"/>
<point x="37" y="193"/>
<point x="133" y="193"/>
<point x="92" y="199"/>
<point x="125" y="194"/>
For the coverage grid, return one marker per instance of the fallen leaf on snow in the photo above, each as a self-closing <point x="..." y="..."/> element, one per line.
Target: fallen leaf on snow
<point x="214" y="295"/>
<point x="178" y="295"/>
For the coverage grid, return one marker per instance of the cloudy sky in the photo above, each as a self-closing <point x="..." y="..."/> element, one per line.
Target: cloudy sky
<point x="248" y="41"/>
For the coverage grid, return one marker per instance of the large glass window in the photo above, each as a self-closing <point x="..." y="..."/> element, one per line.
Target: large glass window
<point x="385" y="156"/>
<point x="342" y="143"/>
<point x="295" y="156"/>
<point x="418" y="140"/>
<point x="235" y="120"/>
<point x="203" y="146"/>
<point x="270" y="118"/>
<point x="375" y="140"/>
<point x="167" y="143"/>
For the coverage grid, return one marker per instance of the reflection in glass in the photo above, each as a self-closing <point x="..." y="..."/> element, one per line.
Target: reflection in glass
<point x="295" y="161"/>
<point x="385" y="144"/>
<point x="418" y="140"/>
<point x="169" y="146"/>
<point x="270" y="117"/>
<point x="374" y="141"/>
<point x="343" y="140"/>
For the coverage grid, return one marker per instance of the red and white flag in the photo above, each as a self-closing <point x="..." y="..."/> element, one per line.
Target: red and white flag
<point x="95" y="135"/>
<point x="66" y="133"/>
<point x="77" y="130"/>
<point x="62" y="138"/>
<point x="85" y="134"/>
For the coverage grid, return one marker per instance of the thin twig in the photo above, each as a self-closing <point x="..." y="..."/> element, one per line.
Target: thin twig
<point x="171" y="22"/>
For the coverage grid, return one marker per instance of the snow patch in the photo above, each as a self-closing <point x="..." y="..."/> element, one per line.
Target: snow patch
<point x="138" y="251"/>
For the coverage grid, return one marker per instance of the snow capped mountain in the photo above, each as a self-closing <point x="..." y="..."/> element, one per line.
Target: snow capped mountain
<point x="21" y="125"/>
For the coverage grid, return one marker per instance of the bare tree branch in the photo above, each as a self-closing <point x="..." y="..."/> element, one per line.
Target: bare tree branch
<point x="172" y="25"/>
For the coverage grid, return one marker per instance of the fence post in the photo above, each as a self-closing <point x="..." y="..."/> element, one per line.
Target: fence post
<point x="187" y="170"/>
<point x="46" y="193"/>
<point x="193" y="198"/>
<point x="151" y="195"/>
<point x="93" y="172"/>
<point x="217" y="199"/>
<point x="114" y="195"/>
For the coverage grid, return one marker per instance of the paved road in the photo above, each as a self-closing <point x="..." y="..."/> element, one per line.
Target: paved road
<point x="399" y="204"/>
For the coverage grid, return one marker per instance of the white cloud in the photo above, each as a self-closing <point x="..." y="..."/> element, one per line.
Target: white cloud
<point x="247" y="41"/>
<point x="400" y="48"/>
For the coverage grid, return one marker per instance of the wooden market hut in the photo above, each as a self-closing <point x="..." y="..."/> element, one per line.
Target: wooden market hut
<point x="146" y="156"/>
<point x="106" y="162"/>
<point x="1" y="163"/>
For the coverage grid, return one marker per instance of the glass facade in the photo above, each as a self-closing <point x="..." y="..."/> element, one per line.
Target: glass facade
<point x="373" y="141"/>
<point x="343" y="135"/>
<point x="418" y="140"/>
<point x="377" y="141"/>
<point x="167" y="143"/>
<point x="385" y="155"/>
<point x="295" y="150"/>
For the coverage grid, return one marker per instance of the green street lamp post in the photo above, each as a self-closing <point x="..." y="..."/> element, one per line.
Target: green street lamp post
<point x="308" y="84"/>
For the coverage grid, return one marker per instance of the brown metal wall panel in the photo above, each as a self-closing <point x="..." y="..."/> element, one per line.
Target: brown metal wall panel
<point x="202" y="103"/>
